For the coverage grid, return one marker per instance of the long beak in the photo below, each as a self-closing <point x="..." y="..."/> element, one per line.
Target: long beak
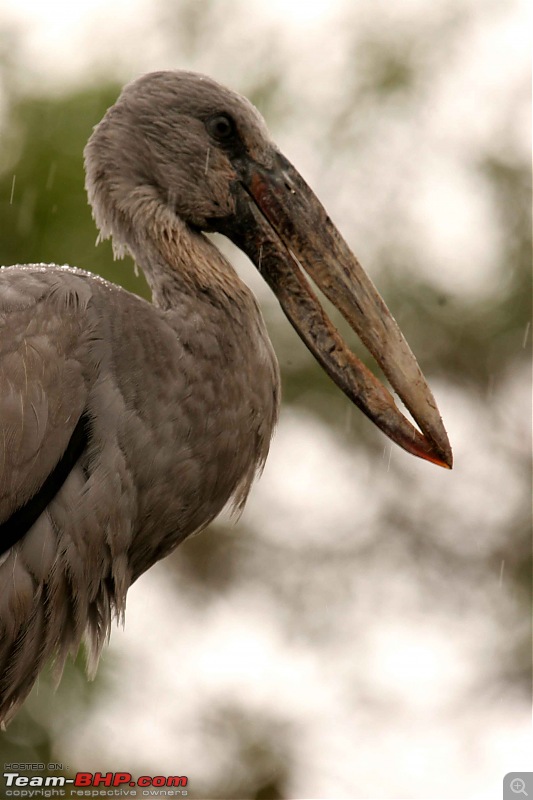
<point x="285" y="229"/>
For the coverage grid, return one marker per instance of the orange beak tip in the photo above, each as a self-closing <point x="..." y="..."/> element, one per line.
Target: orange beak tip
<point x="446" y="462"/>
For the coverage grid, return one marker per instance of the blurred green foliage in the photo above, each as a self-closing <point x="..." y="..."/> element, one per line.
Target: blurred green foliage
<point x="44" y="214"/>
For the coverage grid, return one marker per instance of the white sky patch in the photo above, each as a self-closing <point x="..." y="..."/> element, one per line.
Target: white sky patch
<point x="66" y="40"/>
<point x="303" y="14"/>
<point x="415" y="663"/>
<point x="307" y="487"/>
<point x="458" y="237"/>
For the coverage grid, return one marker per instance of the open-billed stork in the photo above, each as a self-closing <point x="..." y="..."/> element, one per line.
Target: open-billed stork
<point x="126" y="426"/>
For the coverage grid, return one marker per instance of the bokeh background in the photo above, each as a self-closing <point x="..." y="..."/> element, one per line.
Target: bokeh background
<point x="364" y="631"/>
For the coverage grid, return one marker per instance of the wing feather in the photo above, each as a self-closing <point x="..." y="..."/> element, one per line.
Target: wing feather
<point x="45" y="334"/>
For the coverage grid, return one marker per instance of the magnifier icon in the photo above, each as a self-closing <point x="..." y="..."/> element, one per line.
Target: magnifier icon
<point x="518" y="786"/>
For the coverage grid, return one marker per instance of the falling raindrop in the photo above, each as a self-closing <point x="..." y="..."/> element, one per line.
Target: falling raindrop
<point x="51" y="175"/>
<point x="526" y="334"/>
<point x="348" y="419"/>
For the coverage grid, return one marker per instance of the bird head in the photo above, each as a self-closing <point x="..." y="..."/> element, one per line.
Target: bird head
<point x="185" y="146"/>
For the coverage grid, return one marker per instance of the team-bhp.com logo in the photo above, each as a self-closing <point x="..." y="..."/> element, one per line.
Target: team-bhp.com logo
<point x="94" y="784"/>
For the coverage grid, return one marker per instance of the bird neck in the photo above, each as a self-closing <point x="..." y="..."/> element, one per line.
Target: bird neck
<point x="178" y="260"/>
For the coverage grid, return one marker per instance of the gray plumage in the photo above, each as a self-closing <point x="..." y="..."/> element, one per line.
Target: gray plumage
<point x="181" y="394"/>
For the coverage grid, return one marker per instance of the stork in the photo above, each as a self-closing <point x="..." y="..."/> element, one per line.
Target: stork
<point x="126" y="426"/>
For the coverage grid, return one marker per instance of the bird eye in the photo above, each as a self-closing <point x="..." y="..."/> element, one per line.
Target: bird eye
<point x="222" y="127"/>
